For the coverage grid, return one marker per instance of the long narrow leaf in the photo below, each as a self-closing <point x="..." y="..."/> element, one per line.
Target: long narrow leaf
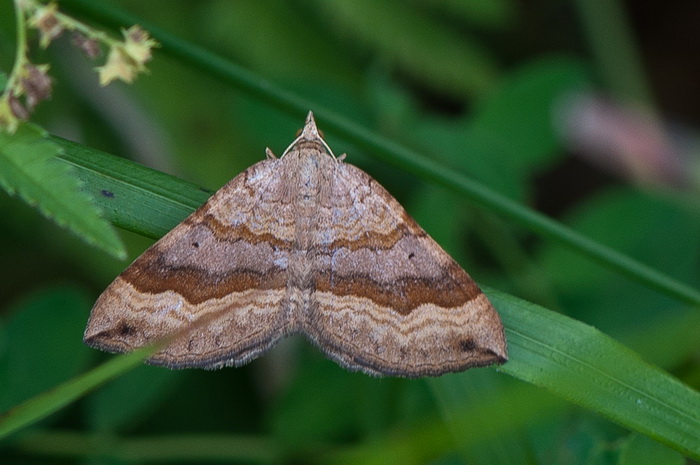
<point x="132" y="196"/>
<point x="569" y="358"/>
<point x="586" y="367"/>
<point x="50" y="401"/>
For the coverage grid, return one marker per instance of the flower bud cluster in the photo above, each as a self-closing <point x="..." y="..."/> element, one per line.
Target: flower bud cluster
<point x="30" y="83"/>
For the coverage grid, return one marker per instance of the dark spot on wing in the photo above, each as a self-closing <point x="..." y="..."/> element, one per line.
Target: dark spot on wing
<point x="467" y="345"/>
<point x="125" y="329"/>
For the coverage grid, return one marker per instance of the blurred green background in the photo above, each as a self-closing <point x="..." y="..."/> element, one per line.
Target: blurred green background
<point x="496" y="89"/>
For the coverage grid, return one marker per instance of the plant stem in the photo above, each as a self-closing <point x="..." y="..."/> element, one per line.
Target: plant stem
<point x="21" y="48"/>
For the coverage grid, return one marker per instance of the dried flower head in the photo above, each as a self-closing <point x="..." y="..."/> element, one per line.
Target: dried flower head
<point x="35" y="84"/>
<point x="90" y="46"/>
<point x="29" y="84"/>
<point x="118" y="66"/>
<point x="138" y="45"/>
<point x="18" y="110"/>
<point x="127" y="59"/>
<point x="46" y="21"/>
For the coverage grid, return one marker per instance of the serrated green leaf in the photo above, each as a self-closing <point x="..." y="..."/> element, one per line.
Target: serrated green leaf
<point x="28" y="168"/>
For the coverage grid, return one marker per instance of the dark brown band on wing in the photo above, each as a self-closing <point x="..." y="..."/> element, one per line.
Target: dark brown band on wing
<point x="150" y="274"/>
<point x="227" y="232"/>
<point x="370" y="239"/>
<point x="452" y="289"/>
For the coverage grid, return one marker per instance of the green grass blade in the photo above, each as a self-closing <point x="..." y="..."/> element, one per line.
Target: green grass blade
<point x="568" y="358"/>
<point x="50" y="401"/>
<point x="588" y="368"/>
<point x="132" y="196"/>
<point x="393" y="153"/>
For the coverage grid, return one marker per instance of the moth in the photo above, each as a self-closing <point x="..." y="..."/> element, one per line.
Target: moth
<point x="304" y="243"/>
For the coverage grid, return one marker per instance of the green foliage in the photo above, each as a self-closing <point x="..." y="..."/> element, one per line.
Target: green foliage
<point x="450" y="60"/>
<point x="640" y="450"/>
<point x="132" y="197"/>
<point x="28" y="167"/>
<point x="583" y="366"/>
<point x="39" y="338"/>
<point x="612" y="379"/>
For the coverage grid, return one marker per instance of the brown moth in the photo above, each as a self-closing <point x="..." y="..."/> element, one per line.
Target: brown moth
<point x="308" y="244"/>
